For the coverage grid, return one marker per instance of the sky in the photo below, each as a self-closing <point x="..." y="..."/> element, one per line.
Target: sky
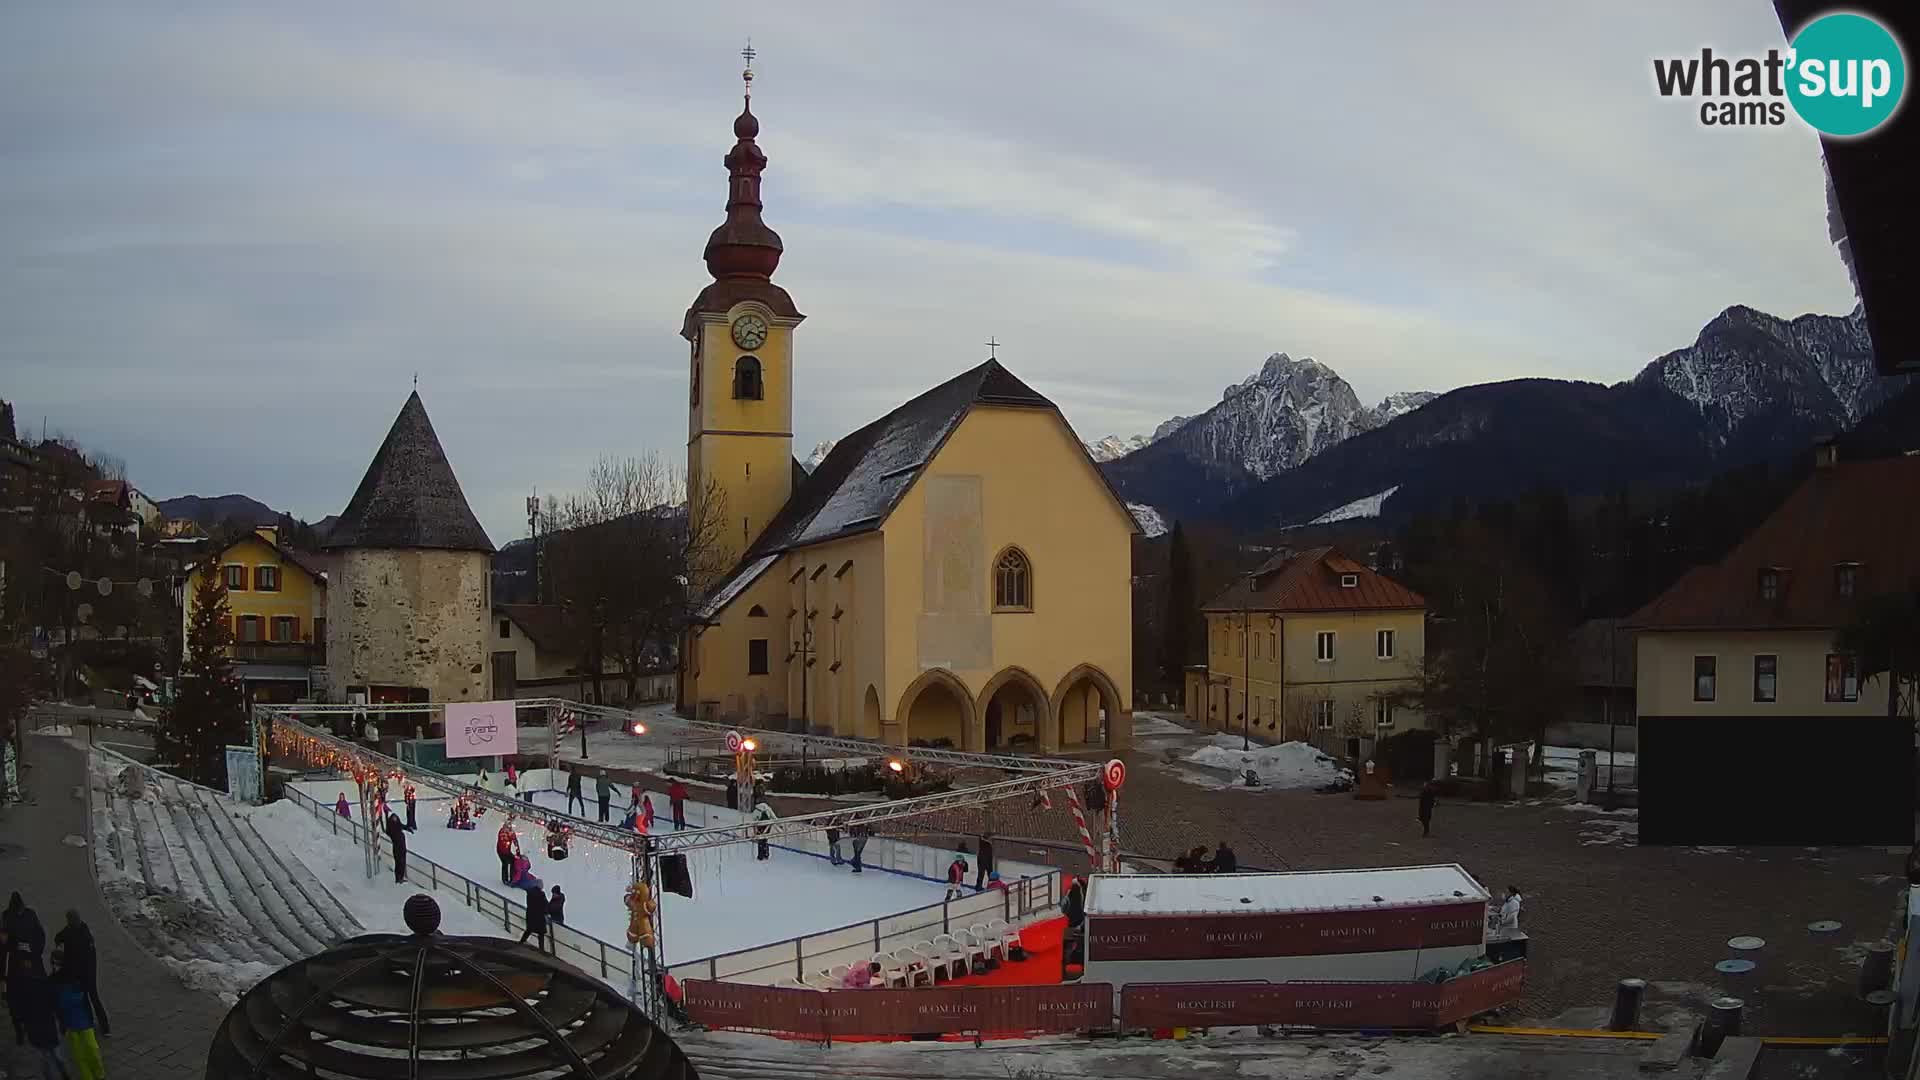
<point x="236" y="232"/>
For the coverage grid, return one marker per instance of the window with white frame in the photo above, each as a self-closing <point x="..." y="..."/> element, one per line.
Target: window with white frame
<point x="1383" y="644"/>
<point x="1323" y="714"/>
<point x="1323" y="646"/>
<point x="1382" y="713"/>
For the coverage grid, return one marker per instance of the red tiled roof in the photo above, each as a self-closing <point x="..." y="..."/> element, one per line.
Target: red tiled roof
<point x="1866" y="513"/>
<point x="1310" y="581"/>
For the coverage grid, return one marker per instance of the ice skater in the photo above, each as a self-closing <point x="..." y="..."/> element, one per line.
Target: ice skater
<point x="957" y="873"/>
<point x="833" y="846"/>
<point x="503" y="844"/>
<point x="762" y="813"/>
<point x="861" y="834"/>
<point x="574" y="794"/>
<point x="646" y="812"/>
<point x="409" y="792"/>
<point x="557" y="907"/>
<point x="603" y="788"/>
<point x="513" y="781"/>
<point x="340" y="807"/>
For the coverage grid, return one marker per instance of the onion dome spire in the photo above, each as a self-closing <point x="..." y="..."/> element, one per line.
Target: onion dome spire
<point x="743" y="245"/>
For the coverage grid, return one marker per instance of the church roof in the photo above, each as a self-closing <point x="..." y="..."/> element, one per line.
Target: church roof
<point x="409" y="497"/>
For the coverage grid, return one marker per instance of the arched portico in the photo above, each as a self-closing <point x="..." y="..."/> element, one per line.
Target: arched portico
<point x="935" y="706"/>
<point x="1014" y="711"/>
<point x="1089" y="711"/>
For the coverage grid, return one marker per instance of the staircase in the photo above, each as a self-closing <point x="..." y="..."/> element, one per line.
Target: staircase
<point x="210" y="886"/>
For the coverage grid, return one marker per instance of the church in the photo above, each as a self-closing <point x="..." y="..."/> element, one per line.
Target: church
<point x="955" y="573"/>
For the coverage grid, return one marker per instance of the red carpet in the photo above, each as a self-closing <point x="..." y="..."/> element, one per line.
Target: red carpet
<point x="1040" y="968"/>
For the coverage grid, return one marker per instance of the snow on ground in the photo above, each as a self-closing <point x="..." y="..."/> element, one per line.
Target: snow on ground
<point x="738" y="902"/>
<point x="1288" y="765"/>
<point x="226" y="980"/>
<point x="1147" y="724"/>
<point x="1368" y="507"/>
<point x="341" y="867"/>
<point x="1149" y="519"/>
<point x="55" y="729"/>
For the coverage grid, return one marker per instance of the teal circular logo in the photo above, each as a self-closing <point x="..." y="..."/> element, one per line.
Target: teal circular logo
<point x="1846" y="75"/>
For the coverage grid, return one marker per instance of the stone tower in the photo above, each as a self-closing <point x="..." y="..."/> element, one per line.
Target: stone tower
<point x="409" y="596"/>
<point x="740" y="332"/>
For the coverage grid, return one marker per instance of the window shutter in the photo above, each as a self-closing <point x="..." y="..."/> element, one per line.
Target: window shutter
<point x="293" y="628"/>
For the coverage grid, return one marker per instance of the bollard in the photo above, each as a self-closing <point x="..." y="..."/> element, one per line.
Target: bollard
<point x="1626" y="1004"/>
<point x="1876" y="968"/>
<point x="1723" y="1022"/>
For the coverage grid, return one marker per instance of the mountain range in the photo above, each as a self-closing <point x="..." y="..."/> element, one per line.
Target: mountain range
<point x="1291" y="445"/>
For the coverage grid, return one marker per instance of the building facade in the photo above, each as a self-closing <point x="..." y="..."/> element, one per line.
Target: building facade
<point x="277" y="598"/>
<point x="1738" y="671"/>
<point x="956" y="572"/>
<point x="409" y="601"/>
<point x="1312" y="647"/>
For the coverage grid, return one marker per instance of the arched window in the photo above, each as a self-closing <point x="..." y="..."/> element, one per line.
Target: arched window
<point x="1012" y="581"/>
<point x="756" y="612"/>
<point x="746" y="378"/>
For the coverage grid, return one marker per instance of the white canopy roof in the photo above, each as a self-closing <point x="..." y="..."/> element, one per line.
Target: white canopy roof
<point x="1249" y="894"/>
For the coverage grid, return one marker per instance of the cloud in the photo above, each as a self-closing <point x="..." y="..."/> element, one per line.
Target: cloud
<point x="235" y="235"/>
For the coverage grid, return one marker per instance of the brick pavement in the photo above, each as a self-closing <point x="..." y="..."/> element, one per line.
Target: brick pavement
<point x="161" y="1029"/>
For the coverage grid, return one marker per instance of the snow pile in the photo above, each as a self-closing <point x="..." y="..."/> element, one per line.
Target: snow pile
<point x="54" y="729"/>
<point x="1146" y="724"/>
<point x="1288" y="765"/>
<point x="225" y="980"/>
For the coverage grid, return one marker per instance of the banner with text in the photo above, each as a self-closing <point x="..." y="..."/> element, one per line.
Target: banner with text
<point x="482" y="729"/>
<point x="1306" y="933"/>
<point x="929" y="1011"/>
<point x="1421" y="1006"/>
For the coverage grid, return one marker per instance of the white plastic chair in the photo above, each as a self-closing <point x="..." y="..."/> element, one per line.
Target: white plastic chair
<point x="1009" y="936"/>
<point x="892" y="972"/>
<point x="959" y="955"/>
<point x="914" y="966"/>
<point x="817" y="980"/>
<point x="987" y="942"/>
<point x="837" y="974"/>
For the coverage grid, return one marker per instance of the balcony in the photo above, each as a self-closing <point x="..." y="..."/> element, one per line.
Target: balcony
<point x="306" y="654"/>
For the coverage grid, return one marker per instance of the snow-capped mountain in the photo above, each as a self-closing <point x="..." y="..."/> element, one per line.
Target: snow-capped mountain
<point x="1280" y="416"/>
<point x="820" y="451"/>
<point x="1747" y="364"/>
<point x="1113" y="446"/>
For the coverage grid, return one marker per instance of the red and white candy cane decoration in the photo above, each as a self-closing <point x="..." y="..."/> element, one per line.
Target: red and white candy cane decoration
<point x="1113" y="775"/>
<point x="1080" y="821"/>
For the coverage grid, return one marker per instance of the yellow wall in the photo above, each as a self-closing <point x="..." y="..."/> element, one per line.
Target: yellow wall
<point x="1038" y="491"/>
<point x="1240" y="655"/>
<point x="1665" y="675"/>
<point x="299" y="595"/>
<point x="745" y="446"/>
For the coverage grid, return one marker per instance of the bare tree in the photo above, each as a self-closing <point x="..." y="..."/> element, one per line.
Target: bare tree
<point x="624" y="555"/>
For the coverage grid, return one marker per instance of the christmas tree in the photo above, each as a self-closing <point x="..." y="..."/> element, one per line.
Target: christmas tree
<point x="209" y="711"/>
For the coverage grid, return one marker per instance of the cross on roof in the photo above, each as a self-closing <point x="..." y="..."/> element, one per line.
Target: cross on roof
<point x="993" y="348"/>
<point x="748" y="54"/>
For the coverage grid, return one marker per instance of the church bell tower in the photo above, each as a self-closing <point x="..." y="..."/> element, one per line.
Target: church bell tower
<point x="739" y="331"/>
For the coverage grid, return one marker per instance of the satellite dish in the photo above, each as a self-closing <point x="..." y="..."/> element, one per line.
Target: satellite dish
<point x="73" y="580"/>
<point x="145" y="586"/>
<point x="105" y="585"/>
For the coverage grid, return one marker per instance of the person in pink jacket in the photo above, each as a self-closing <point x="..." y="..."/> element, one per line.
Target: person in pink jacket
<point x="859" y="976"/>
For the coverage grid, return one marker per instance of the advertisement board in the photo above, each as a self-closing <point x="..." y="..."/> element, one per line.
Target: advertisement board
<point x="482" y="729"/>
<point x="1413" y="1005"/>
<point x="1305" y="933"/>
<point x="925" y="1011"/>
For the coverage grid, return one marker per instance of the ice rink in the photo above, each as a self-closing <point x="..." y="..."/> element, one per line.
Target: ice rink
<point x="738" y="902"/>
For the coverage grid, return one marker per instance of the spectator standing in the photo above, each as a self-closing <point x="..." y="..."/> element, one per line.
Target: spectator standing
<point x="986" y="863"/>
<point x="75" y="940"/>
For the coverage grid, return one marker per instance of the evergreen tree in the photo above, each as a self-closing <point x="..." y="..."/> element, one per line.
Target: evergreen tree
<point x="1182" y="613"/>
<point x="1885" y="635"/>
<point x="209" y="708"/>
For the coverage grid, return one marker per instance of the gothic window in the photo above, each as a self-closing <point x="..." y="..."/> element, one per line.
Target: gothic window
<point x="1012" y="581"/>
<point x="746" y="379"/>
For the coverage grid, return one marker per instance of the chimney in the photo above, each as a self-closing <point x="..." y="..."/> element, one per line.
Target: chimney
<point x="1826" y="454"/>
<point x="269" y="533"/>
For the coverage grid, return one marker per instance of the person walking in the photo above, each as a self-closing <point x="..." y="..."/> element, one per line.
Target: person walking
<point x="574" y="794"/>
<point x="677" y="801"/>
<point x="22" y="967"/>
<point x="397" y="836"/>
<point x="340" y="807"/>
<point x="503" y="847"/>
<point x="75" y="940"/>
<point x="861" y="834"/>
<point x="1427" y="795"/>
<point x="557" y="907"/>
<point x="957" y="873"/>
<point x="536" y="918"/>
<point x="833" y="846"/>
<point x="409" y="791"/>
<point x="33" y="1011"/>
<point x="985" y="866"/>
<point x="74" y="1014"/>
<point x="23" y="928"/>
<point x="603" y="788"/>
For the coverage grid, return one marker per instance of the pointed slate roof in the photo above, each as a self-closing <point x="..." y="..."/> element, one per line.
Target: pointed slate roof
<point x="409" y="497"/>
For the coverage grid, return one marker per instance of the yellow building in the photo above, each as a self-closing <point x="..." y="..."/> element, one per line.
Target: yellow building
<point x="278" y="600"/>
<point x="956" y="571"/>
<point x="1313" y="647"/>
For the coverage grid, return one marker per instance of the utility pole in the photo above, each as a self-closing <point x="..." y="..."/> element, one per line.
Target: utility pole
<point x="533" y="532"/>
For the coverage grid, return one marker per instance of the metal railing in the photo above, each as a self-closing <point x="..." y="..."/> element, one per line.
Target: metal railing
<point x="588" y="953"/>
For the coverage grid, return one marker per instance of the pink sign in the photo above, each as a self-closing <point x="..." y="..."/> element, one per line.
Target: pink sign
<point x="482" y="729"/>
